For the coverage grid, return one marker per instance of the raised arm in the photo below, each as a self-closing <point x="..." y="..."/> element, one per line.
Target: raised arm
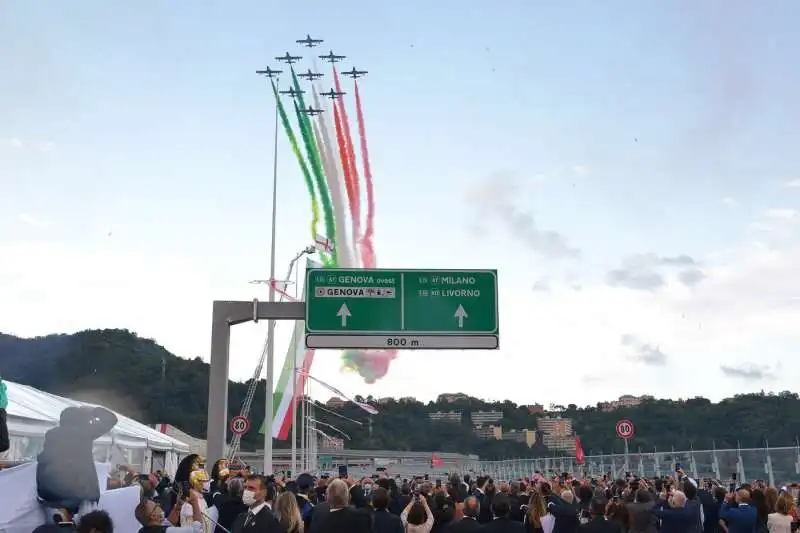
<point x="101" y="422"/>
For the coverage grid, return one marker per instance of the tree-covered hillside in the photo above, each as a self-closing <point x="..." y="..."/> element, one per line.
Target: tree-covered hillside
<point x="123" y="371"/>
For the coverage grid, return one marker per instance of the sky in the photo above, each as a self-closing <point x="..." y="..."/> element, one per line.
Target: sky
<point x="629" y="168"/>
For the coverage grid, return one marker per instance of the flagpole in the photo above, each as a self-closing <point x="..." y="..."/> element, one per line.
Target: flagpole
<point x="295" y="403"/>
<point x="269" y="409"/>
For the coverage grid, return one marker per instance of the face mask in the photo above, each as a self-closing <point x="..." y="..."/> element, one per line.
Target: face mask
<point x="249" y="497"/>
<point x="206" y="486"/>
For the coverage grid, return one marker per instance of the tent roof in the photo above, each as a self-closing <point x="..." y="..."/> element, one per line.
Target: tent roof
<point x="25" y="402"/>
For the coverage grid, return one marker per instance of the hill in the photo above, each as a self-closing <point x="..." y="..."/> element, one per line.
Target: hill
<point x="123" y="371"/>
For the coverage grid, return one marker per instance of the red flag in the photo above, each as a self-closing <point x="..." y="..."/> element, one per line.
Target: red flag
<point x="578" y="450"/>
<point x="436" y="461"/>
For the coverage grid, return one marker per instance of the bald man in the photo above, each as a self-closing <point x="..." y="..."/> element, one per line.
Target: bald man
<point x="469" y="523"/>
<point x="340" y="516"/>
<point x="742" y="518"/>
<point x="677" y="518"/>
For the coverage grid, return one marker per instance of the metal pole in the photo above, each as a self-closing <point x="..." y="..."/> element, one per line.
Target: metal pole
<point x="295" y="402"/>
<point x="271" y="324"/>
<point x="627" y="468"/>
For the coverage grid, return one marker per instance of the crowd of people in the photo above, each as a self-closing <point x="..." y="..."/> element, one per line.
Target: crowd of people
<point x="228" y="501"/>
<point x="231" y="499"/>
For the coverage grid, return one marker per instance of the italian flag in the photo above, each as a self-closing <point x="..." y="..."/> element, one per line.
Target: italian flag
<point x="285" y="398"/>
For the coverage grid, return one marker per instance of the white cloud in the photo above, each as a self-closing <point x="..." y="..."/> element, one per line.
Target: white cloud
<point x="783" y="214"/>
<point x="580" y="170"/>
<point x="730" y="202"/>
<point x="31" y="220"/>
<point x="32" y="145"/>
<point x="794" y="184"/>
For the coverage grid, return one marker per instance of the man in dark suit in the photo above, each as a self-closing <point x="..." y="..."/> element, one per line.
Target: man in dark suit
<point x="485" y="514"/>
<point x="383" y="520"/>
<point x="744" y="517"/>
<point x="468" y="524"/>
<point x="598" y="522"/>
<point x="259" y="517"/>
<point x="340" y="517"/>
<point x="502" y="523"/>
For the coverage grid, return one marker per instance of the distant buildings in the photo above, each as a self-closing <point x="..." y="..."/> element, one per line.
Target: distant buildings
<point x="446" y="416"/>
<point x="555" y="426"/>
<point x="482" y="418"/>
<point x="626" y="400"/>
<point x="335" y="402"/>
<point x="331" y="443"/>
<point x="489" y="432"/>
<point x="535" y="409"/>
<point x="557" y="433"/>
<point x="526" y="436"/>
<point x="452" y="397"/>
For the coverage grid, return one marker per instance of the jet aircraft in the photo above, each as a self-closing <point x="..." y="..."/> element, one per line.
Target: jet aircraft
<point x="292" y="92"/>
<point x="311" y="111"/>
<point x="355" y="73"/>
<point x="330" y="57"/>
<point x="310" y="76"/>
<point x="334" y="94"/>
<point x="289" y="59"/>
<point x="268" y="72"/>
<point x="309" y="42"/>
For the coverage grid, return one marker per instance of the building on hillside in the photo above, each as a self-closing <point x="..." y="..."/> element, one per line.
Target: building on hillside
<point x="407" y="399"/>
<point x="489" y="432"/>
<point x="331" y="443"/>
<point x="335" y="402"/>
<point x="451" y="397"/>
<point x="482" y="418"/>
<point x="555" y="426"/>
<point x="526" y="436"/>
<point x="560" y="444"/>
<point x="445" y="416"/>
<point x="626" y="400"/>
<point x="535" y="409"/>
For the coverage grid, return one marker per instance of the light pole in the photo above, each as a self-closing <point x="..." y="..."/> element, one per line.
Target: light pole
<point x="308" y="250"/>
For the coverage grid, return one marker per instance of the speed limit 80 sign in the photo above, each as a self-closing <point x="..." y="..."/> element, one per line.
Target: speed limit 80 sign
<point x="625" y="429"/>
<point x="239" y="425"/>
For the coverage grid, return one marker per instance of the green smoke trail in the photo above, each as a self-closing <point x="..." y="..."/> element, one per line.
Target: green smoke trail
<point x="316" y="166"/>
<point x="287" y="126"/>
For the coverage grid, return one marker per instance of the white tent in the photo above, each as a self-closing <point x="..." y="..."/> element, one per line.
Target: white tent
<point x="32" y="412"/>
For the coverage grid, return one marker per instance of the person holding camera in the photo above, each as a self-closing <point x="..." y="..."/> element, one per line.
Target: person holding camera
<point x="417" y="517"/>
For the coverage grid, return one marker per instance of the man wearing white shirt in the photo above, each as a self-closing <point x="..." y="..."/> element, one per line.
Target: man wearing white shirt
<point x="151" y="516"/>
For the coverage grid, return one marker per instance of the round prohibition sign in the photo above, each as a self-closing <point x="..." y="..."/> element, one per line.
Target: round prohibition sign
<point x="625" y="429"/>
<point x="239" y="425"/>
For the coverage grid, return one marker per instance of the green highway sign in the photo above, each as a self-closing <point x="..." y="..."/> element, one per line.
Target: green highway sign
<point x="406" y="309"/>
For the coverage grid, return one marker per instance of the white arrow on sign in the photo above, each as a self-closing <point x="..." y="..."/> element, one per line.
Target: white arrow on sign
<point x="343" y="313"/>
<point x="461" y="315"/>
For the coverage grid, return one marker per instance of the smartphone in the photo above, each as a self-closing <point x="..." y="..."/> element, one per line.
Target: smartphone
<point x="342" y="471"/>
<point x="438" y="483"/>
<point x="677" y="467"/>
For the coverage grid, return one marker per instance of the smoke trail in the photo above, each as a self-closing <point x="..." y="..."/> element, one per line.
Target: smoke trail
<point x="334" y="183"/>
<point x="351" y="157"/>
<point x="348" y="177"/>
<point x="367" y="249"/>
<point x="314" y="158"/>
<point x="287" y="126"/>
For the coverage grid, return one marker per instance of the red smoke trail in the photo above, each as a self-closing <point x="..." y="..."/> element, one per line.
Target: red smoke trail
<point x="367" y="249"/>
<point x="351" y="157"/>
<point x="348" y="176"/>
